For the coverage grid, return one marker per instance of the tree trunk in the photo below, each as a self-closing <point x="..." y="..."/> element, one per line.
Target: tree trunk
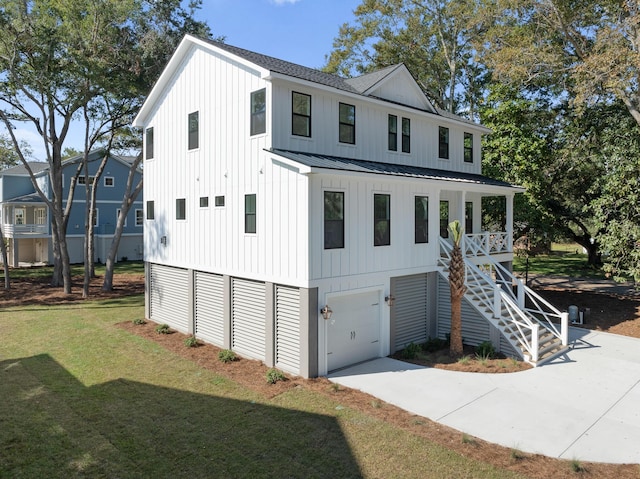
<point x="457" y="289"/>
<point x="5" y="261"/>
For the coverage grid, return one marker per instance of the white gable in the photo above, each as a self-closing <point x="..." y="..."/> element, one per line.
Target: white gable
<point x="400" y="87"/>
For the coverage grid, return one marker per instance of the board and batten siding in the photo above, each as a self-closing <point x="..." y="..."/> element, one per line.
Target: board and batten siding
<point x="248" y="328"/>
<point x="169" y="296"/>
<point x="371" y="130"/>
<point x="230" y="163"/>
<point x="209" y="307"/>
<point x="359" y="255"/>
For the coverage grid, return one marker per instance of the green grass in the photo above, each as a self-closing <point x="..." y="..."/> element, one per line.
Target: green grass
<point x="562" y="261"/>
<point x="84" y="398"/>
<point x="45" y="272"/>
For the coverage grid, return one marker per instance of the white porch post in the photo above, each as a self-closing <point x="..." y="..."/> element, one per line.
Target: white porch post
<point x="434" y="223"/>
<point x="509" y="222"/>
<point x="462" y="196"/>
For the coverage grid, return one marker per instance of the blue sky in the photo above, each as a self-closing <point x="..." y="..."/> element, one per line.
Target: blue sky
<point x="299" y="31"/>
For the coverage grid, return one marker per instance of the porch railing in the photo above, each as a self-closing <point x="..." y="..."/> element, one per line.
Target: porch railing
<point x="487" y="242"/>
<point x="12" y="230"/>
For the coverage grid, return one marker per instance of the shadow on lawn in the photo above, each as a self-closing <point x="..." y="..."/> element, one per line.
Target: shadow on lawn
<point x="53" y="426"/>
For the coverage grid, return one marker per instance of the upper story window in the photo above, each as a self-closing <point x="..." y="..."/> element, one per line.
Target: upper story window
<point x="406" y="135"/>
<point x="422" y="219"/>
<point x="347" y="124"/>
<point x="381" y="220"/>
<point x="194" y="139"/>
<point x="258" y="112"/>
<point x="468" y="217"/>
<point x="181" y="209"/>
<point x="468" y="148"/>
<point x="149" y="144"/>
<point x="443" y="143"/>
<point x="204" y="202"/>
<point x="333" y="219"/>
<point x="300" y="114"/>
<point x="96" y="217"/>
<point x="109" y="181"/>
<point x="82" y="180"/>
<point x="393" y="133"/>
<point x="118" y="213"/>
<point x="151" y="210"/>
<point x="444" y="219"/>
<point x="139" y="217"/>
<point x="219" y="201"/>
<point x="250" y="213"/>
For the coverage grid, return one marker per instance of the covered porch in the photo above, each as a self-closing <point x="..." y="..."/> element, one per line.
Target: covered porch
<point x="25" y="224"/>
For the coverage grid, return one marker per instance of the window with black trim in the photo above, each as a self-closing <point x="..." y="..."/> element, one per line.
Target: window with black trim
<point x="468" y="217"/>
<point x="443" y="143"/>
<point x="149" y="144"/>
<point x="468" y="148"/>
<point x="181" y="209"/>
<point x="219" y="201"/>
<point x="406" y="135"/>
<point x="204" y="202"/>
<point x="333" y="219"/>
<point x="393" y="133"/>
<point x="258" y="112"/>
<point x="300" y="114"/>
<point x="444" y="219"/>
<point x="193" y="130"/>
<point x="109" y="181"/>
<point x="381" y="220"/>
<point x="250" y="213"/>
<point x="422" y="219"/>
<point x="347" y="123"/>
<point x="151" y="215"/>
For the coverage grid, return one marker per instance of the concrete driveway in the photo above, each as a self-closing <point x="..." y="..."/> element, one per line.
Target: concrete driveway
<point x="584" y="405"/>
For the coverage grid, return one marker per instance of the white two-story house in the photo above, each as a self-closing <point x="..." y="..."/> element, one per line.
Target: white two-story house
<point x="26" y="219"/>
<point x="296" y="217"/>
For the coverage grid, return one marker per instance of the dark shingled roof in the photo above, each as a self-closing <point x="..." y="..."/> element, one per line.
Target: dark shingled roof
<point x="20" y="170"/>
<point x="364" y="166"/>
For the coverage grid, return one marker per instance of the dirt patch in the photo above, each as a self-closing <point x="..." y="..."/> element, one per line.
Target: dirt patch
<point x="608" y="313"/>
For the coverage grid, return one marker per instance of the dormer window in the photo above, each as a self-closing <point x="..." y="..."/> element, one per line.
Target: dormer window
<point x="347" y="124"/>
<point x="300" y="114"/>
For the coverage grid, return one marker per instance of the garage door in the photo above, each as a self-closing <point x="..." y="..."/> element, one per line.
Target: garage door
<point x="209" y="307"/>
<point x="169" y="296"/>
<point x="353" y="332"/>
<point x="248" y="318"/>
<point x="410" y="320"/>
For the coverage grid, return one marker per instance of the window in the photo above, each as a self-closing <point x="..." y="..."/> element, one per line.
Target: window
<point x="40" y="216"/>
<point x="443" y="143"/>
<point x="193" y="130"/>
<point x="468" y="217"/>
<point x="444" y="219"/>
<point x="250" y="213"/>
<point x="406" y="135"/>
<point x="82" y="180"/>
<point x="118" y="213"/>
<point x="204" y="202"/>
<point x="347" y="126"/>
<point x="150" y="210"/>
<point x="333" y="219"/>
<point x="422" y="219"/>
<point x="139" y="217"/>
<point x="149" y="144"/>
<point x="258" y="112"/>
<point x="381" y="220"/>
<point x="300" y="114"/>
<point x="219" y="201"/>
<point x="393" y="133"/>
<point x="109" y="181"/>
<point x="468" y="148"/>
<point x="181" y="206"/>
<point x="96" y="216"/>
<point x="18" y="216"/>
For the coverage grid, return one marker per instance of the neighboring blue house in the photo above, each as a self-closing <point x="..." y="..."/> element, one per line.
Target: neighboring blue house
<point x="26" y="220"/>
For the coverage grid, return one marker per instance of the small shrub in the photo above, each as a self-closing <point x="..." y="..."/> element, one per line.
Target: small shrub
<point x="435" y="344"/>
<point x="464" y="360"/>
<point x="191" y="342"/>
<point x="335" y="387"/>
<point x="273" y="376"/>
<point x="411" y="351"/>
<point x="163" y="329"/>
<point x="576" y="466"/>
<point x="485" y="350"/>
<point x="516" y="455"/>
<point x="466" y="439"/>
<point x="376" y="404"/>
<point x="139" y="321"/>
<point x="227" y="356"/>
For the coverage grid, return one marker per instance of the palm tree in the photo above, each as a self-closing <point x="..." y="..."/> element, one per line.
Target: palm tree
<point x="457" y="287"/>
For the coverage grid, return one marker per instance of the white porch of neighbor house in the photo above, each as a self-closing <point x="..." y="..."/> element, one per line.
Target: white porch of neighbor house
<point x="26" y="228"/>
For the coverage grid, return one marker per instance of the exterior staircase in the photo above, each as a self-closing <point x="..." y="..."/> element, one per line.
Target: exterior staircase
<point x="536" y="329"/>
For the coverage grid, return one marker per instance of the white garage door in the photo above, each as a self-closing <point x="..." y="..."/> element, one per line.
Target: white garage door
<point x="169" y="296"/>
<point x="353" y="332"/>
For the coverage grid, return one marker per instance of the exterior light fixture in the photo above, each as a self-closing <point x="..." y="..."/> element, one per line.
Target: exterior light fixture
<point x="390" y="300"/>
<point x="326" y="312"/>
